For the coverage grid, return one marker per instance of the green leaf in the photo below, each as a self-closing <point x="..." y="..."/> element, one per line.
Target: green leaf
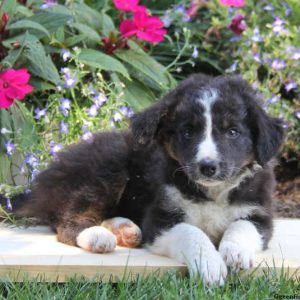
<point x="145" y="67"/>
<point x="107" y="24"/>
<point x="87" y="15"/>
<point x="24" y="11"/>
<point x="50" y="21"/>
<point x="12" y="57"/>
<point x="41" y="85"/>
<point x="137" y="95"/>
<point x="88" y="31"/>
<point x="102" y="61"/>
<point x="39" y="63"/>
<point x="24" y="123"/>
<point x="8" y="6"/>
<point x="28" y="24"/>
<point x="73" y="40"/>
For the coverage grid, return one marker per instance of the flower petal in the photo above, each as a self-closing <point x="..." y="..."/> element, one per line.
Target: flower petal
<point x="5" y="102"/>
<point x="128" y="28"/>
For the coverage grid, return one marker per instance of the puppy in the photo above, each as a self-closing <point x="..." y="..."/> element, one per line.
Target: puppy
<point x="194" y="172"/>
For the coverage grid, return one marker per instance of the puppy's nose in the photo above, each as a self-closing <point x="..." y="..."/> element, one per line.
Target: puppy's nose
<point x="208" y="167"/>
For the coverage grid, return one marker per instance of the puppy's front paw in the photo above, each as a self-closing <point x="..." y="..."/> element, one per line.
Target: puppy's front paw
<point x="236" y="257"/>
<point x="97" y="239"/>
<point x="211" y="267"/>
<point x="128" y="234"/>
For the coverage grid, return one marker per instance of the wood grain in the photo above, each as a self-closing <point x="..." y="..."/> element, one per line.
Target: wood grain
<point x="34" y="253"/>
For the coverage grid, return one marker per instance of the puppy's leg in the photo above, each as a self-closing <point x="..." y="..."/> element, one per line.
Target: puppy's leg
<point x="128" y="234"/>
<point x="85" y="234"/>
<point x="189" y="244"/>
<point x="240" y="242"/>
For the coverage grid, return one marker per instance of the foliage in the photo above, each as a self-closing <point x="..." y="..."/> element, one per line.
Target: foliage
<point x="88" y="75"/>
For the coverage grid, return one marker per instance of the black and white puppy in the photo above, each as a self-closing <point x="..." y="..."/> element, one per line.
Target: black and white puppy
<point x="194" y="172"/>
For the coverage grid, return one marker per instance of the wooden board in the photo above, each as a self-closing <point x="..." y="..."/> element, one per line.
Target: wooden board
<point x="35" y="253"/>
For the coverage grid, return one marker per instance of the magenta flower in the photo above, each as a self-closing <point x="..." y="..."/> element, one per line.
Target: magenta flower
<point x="238" y="24"/>
<point x="234" y="3"/>
<point x="144" y="26"/>
<point x="126" y="5"/>
<point x="13" y="86"/>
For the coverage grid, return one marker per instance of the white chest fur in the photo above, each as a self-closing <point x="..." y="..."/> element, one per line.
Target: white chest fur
<point x="213" y="217"/>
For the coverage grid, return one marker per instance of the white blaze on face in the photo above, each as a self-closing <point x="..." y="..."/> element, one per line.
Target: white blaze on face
<point x="207" y="147"/>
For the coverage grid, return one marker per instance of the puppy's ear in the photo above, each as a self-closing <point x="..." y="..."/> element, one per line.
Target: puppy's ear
<point x="268" y="136"/>
<point x="146" y="125"/>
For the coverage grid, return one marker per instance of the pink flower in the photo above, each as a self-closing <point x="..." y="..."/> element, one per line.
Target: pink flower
<point x="13" y="86"/>
<point x="238" y="24"/>
<point x="126" y="5"/>
<point x="144" y="26"/>
<point x="234" y="3"/>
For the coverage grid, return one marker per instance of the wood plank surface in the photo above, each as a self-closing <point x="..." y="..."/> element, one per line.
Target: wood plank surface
<point x="35" y="253"/>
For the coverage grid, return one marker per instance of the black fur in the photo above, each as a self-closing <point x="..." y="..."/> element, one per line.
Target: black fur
<point x="124" y="173"/>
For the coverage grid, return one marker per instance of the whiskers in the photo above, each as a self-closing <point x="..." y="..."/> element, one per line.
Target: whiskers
<point x="182" y="169"/>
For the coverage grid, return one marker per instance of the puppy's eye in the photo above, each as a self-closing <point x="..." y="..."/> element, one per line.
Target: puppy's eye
<point x="232" y="133"/>
<point x="187" y="132"/>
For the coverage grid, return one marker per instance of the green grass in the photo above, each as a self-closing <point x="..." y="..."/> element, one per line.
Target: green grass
<point x="170" y="286"/>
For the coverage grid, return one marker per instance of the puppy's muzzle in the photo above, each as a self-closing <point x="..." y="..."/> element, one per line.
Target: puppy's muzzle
<point x="208" y="167"/>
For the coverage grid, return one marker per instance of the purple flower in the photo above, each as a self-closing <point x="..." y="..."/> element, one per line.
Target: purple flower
<point x="99" y="99"/>
<point x="278" y="64"/>
<point x="238" y="24"/>
<point x="288" y="9"/>
<point x="278" y="26"/>
<point x="87" y="136"/>
<point x="65" y="54"/>
<point x="117" y="117"/>
<point x="256" y="37"/>
<point x="233" y="67"/>
<point x="70" y="82"/>
<point x="127" y="111"/>
<point x="65" y="106"/>
<point x="167" y="19"/>
<point x="195" y="53"/>
<point x="290" y="85"/>
<point x="296" y="55"/>
<point x="91" y="90"/>
<point x="48" y="3"/>
<point x="54" y="148"/>
<point x="4" y="130"/>
<point x="40" y="113"/>
<point x="63" y="128"/>
<point x="31" y="160"/>
<point x="268" y="7"/>
<point x="92" y="111"/>
<point x="69" y="79"/>
<point x="8" y="204"/>
<point x="257" y="58"/>
<point x="10" y="147"/>
<point x="297" y="114"/>
<point x="273" y="99"/>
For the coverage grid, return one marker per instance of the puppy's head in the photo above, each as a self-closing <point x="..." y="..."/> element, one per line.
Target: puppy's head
<point x="213" y="127"/>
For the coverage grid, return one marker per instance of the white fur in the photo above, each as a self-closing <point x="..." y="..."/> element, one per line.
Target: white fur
<point x="207" y="147"/>
<point x="116" y="222"/>
<point x="213" y="217"/>
<point x="239" y="244"/>
<point x="188" y="244"/>
<point x="97" y="239"/>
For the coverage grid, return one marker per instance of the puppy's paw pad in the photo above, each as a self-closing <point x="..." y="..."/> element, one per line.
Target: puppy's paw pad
<point x="211" y="268"/>
<point x="127" y="233"/>
<point x="97" y="239"/>
<point x="236" y="257"/>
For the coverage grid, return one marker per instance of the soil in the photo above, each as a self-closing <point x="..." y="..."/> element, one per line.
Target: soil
<point x="287" y="195"/>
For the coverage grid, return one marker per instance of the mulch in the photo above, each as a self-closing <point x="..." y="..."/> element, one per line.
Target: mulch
<point x="287" y="199"/>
